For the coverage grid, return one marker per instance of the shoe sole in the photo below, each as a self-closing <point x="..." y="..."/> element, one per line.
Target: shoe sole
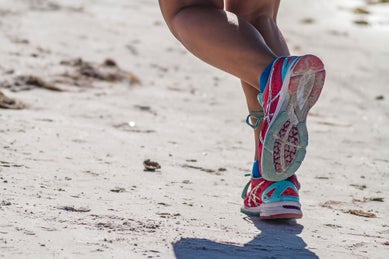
<point x="275" y="210"/>
<point x="287" y="137"/>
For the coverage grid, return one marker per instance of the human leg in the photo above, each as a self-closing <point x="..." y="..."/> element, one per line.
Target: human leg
<point x="278" y="199"/>
<point x="301" y="84"/>
<point x="234" y="45"/>
<point x="218" y="37"/>
<point x="261" y="197"/>
<point x="262" y="15"/>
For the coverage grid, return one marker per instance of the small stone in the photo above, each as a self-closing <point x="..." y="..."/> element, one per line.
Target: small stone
<point x="74" y="209"/>
<point x="5" y="203"/>
<point x="151" y="165"/>
<point x="118" y="189"/>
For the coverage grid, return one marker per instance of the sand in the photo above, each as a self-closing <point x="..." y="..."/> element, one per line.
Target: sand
<point x="72" y="178"/>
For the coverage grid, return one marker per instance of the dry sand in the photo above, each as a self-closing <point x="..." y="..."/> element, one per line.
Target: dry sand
<point x="72" y="181"/>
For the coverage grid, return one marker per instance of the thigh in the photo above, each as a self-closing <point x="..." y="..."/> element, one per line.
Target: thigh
<point x="250" y="10"/>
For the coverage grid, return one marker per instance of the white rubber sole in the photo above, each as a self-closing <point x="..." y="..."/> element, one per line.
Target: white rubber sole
<point x="275" y="210"/>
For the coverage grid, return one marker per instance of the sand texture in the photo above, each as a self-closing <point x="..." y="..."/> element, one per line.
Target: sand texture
<point x="91" y="89"/>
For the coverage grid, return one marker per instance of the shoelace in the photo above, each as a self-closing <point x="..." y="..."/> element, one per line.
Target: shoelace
<point x="244" y="192"/>
<point x="253" y="197"/>
<point x="257" y="115"/>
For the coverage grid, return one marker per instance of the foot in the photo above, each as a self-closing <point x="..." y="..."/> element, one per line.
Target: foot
<point x="292" y="88"/>
<point x="272" y="200"/>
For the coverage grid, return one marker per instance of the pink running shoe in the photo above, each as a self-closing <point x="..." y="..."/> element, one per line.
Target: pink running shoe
<point x="293" y="87"/>
<point x="272" y="200"/>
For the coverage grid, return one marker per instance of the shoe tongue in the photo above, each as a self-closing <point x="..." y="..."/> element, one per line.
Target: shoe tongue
<point x="255" y="171"/>
<point x="265" y="76"/>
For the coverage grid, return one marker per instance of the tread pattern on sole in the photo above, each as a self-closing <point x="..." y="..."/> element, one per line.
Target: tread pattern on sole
<point x="287" y="137"/>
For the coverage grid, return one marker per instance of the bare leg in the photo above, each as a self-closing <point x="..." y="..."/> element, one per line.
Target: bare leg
<point x="262" y="15"/>
<point x="236" y="40"/>
<point x="218" y="37"/>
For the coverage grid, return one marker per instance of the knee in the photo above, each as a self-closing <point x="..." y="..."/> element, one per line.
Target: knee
<point x="173" y="9"/>
<point x="253" y="10"/>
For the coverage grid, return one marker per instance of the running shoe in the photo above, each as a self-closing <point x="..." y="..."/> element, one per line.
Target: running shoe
<point x="292" y="88"/>
<point x="272" y="200"/>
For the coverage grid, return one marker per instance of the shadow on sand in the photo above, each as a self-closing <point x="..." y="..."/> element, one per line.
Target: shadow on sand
<point x="278" y="239"/>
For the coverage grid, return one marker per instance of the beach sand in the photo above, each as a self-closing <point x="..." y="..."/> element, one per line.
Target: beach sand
<point x="103" y="85"/>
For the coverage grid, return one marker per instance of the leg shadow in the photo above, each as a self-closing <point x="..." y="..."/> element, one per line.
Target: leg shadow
<point x="278" y="239"/>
